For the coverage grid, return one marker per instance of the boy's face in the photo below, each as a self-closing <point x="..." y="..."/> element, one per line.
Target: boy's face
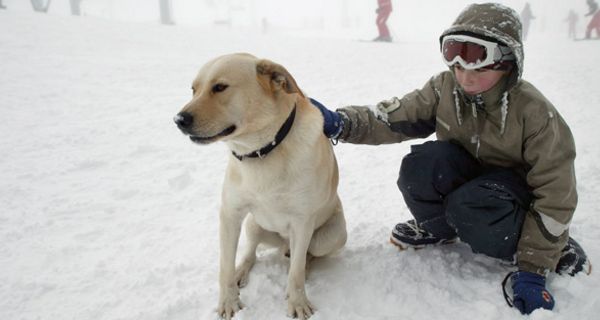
<point x="478" y="80"/>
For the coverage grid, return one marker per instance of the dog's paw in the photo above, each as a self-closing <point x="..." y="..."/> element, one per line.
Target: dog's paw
<point x="242" y="277"/>
<point x="242" y="272"/>
<point x="229" y="306"/>
<point x="299" y="307"/>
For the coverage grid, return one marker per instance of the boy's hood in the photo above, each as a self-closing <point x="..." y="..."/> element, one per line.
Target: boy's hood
<point x="494" y="21"/>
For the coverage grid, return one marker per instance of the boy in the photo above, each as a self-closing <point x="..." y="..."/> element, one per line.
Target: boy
<point x="500" y="175"/>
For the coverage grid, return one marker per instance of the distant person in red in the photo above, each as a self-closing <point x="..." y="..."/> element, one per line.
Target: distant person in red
<point x="384" y="8"/>
<point x="526" y="17"/>
<point x="571" y="20"/>
<point x="595" y="22"/>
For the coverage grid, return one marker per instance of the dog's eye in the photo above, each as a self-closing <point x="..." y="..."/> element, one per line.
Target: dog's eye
<point x="219" y="87"/>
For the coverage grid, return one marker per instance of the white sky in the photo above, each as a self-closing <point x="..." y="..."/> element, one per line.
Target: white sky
<point x="411" y="20"/>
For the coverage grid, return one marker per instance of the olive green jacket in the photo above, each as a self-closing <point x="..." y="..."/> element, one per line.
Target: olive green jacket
<point x="511" y="125"/>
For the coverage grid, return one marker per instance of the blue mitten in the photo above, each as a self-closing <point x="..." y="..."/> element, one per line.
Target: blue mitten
<point x="333" y="125"/>
<point x="529" y="292"/>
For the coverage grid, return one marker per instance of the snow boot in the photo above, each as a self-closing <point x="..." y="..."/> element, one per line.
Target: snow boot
<point x="409" y="235"/>
<point x="573" y="260"/>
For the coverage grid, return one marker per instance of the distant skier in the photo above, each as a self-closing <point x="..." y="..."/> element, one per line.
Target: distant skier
<point x="384" y="9"/>
<point x="595" y="22"/>
<point x="571" y="20"/>
<point x="526" y="17"/>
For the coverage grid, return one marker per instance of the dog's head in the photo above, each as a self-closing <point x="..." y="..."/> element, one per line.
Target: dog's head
<point x="235" y="95"/>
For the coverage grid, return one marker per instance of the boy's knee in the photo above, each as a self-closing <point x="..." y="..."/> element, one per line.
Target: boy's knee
<point x="422" y="159"/>
<point x="442" y="164"/>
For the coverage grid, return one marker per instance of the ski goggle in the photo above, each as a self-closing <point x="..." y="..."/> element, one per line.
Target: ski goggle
<point x="473" y="53"/>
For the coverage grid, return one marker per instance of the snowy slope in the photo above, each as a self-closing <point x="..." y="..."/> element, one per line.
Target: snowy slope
<point x="108" y="212"/>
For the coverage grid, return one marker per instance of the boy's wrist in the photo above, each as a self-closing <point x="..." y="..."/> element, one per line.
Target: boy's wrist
<point x="532" y="268"/>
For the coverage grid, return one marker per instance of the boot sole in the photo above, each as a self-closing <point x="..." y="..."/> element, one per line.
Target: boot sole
<point x="404" y="246"/>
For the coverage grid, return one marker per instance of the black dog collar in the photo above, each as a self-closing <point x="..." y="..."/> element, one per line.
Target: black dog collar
<point x="281" y="134"/>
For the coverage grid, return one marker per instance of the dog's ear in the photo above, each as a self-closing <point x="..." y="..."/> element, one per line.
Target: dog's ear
<point x="275" y="77"/>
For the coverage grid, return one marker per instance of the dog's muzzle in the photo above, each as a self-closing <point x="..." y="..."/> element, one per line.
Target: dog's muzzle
<point x="185" y="122"/>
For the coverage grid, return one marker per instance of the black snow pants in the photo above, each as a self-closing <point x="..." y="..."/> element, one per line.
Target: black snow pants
<point x="451" y="194"/>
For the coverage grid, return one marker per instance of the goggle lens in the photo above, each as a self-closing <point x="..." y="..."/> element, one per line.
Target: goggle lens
<point x="471" y="53"/>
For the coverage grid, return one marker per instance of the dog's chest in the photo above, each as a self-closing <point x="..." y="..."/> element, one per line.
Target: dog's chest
<point x="277" y="205"/>
<point x="275" y="222"/>
<point x="282" y="194"/>
<point x="276" y="212"/>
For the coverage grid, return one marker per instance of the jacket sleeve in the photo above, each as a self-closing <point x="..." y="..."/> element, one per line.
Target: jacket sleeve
<point x="549" y="150"/>
<point x="394" y="120"/>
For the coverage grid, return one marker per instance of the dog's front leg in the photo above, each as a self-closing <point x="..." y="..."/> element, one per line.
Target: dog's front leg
<point x="229" y="234"/>
<point x="298" y="304"/>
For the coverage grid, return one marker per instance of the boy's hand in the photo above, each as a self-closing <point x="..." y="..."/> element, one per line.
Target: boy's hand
<point x="333" y="124"/>
<point x="529" y="292"/>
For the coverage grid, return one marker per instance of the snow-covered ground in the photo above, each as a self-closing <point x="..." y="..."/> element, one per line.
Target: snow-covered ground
<point x="108" y="212"/>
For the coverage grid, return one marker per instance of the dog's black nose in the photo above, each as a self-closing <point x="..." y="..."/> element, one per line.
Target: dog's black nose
<point x="183" y="120"/>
